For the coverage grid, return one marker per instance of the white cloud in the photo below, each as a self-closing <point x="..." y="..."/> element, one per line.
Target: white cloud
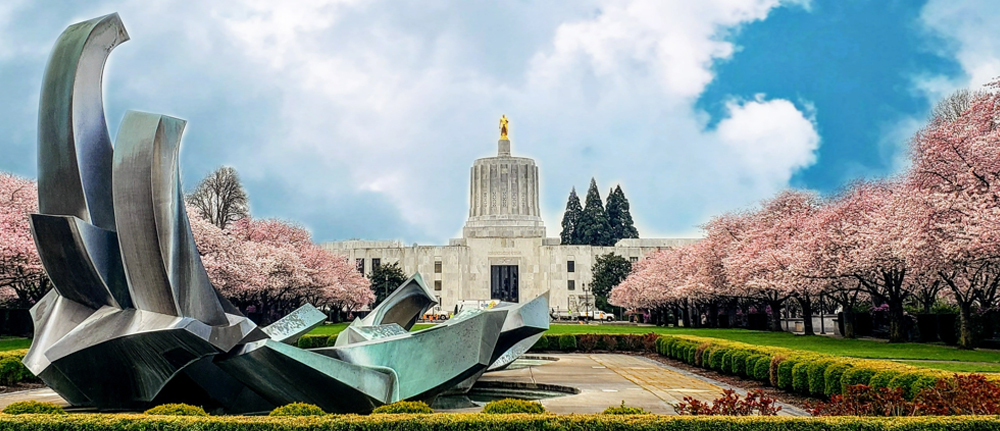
<point x="361" y="118"/>
<point x="971" y="27"/>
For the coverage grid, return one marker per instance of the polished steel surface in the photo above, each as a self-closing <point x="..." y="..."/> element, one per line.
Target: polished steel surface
<point x="74" y="147"/>
<point x="133" y="319"/>
<point x="403" y="306"/>
<point x="288" y="329"/>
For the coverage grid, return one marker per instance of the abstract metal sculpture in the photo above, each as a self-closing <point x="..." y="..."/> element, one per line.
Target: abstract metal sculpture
<point x="133" y="319"/>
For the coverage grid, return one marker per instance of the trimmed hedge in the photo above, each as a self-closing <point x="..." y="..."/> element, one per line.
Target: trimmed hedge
<point x="624" y="410"/>
<point x="510" y="405"/>
<point x="311" y="341"/>
<point x="403" y="407"/>
<point x="12" y="371"/>
<point x="32" y="407"/>
<point x="176" y="410"/>
<point x="470" y="421"/>
<point x="297" y="409"/>
<point x="804" y="372"/>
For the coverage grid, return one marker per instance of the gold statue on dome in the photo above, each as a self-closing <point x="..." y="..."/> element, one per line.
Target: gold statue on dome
<point x="503" y="127"/>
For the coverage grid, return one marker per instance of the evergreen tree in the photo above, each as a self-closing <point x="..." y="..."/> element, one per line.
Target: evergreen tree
<point x="385" y="279"/>
<point x="609" y="271"/>
<point x="571" y="219"/>
<point x="628" y="229"/>
<point x="593" y="225"/>
<point x="614" y="210"/>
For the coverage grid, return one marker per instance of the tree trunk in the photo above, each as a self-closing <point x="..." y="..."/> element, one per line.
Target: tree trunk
<point x="686" y="314"/>
<point x="713" y="314"/>
<point x="965" y="337"/>
<point x="775" y="315"/>
<point x="849" y="325"/>
<point x="897" y="329"/>
<point x="807" y="320"/>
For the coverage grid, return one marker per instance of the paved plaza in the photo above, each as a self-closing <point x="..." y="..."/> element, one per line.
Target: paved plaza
<point x="607" y="379"/>
<point x="603" y="380"/>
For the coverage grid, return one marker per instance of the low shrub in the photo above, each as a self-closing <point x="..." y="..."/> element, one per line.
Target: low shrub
<point x="541" y="344"/>
<point x="856" y="375"/>
<point x="960" y="395"/>
<point x="730" y="404"/>
<point x="831" y="377"/>
<point x="12" y="371"/>
<point x="331" y="340"/>
<point x="605" y="342"/>
<point x="800" y="377"/>
<point x="512" y="405"/>
<point x="816" y="369"/>
<point x="176" y="410"/>
<point x="310" y="341"/>
<point x="738" y="362"/>
<point x="699" y="354"/>
<point x="32" y="407"/>
<point x="624" y="343"/>
<point x="762" y="369"/>
<point x="905" y="381"/>
<point x="297" y="409"/>
<point x="882" y="378"/>
<point x="587" y="342"/>
<point x="785" y="372"/>
<point x="863" y="400"/>
<point x="403" y="407"/>
<point x="624" y="410"/>
<point x="772" y="372"/>
<point x="567" y="343"/>
<point x="956" y="395"/>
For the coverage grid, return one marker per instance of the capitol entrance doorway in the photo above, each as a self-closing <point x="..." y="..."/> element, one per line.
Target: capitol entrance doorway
<point x="503" y="283"/>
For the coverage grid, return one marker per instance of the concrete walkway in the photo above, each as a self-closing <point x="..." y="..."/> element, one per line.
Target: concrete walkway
<point x="604" y="380"/>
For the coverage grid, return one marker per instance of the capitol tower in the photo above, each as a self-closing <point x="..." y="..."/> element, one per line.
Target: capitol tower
<point x="503" y="195"/>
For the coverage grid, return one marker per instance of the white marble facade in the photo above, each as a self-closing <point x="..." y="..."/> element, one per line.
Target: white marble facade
<point x="504" y="229"/>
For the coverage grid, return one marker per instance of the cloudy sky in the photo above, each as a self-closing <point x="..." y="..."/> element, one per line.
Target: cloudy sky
<point x="360" y="119"/>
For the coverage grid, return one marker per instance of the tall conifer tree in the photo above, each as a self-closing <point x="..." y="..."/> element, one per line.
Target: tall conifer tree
<point x="571" y="220"/>
<point x="593" y="226"/>
<point x="614" y="210"/>
<point x="628" y="229"/>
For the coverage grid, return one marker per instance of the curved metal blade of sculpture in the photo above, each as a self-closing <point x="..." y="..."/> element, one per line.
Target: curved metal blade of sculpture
<point x="133" y="319"/>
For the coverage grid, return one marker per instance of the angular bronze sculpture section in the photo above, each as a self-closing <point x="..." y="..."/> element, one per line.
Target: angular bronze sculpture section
<point x="133" y="319"/>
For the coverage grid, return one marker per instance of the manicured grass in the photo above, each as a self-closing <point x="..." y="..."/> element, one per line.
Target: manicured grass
<point x="337" y="327"/>
<point x="833" y="346"/>
<point x="958" y="367"/>
<point x="14" y="343"/>
<point x="957" y="360"/>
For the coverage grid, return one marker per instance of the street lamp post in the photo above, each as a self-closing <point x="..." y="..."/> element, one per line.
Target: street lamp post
<point x="586" y="299"/>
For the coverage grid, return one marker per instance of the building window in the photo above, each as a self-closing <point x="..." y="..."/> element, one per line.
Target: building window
<point x="633" y="259"/>
<point x="437" y="284"/>
<point x="437" y="267"/>
<point x="570" y="284"/>
<point x="360" y="264"/>
<point x="376" y="262"/>
<point x="570" y="266"/>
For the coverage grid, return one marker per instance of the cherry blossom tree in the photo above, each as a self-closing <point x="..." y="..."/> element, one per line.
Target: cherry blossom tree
<point x="22" y="278"/>
<point x="956" y="169"/>
<point x="274" y="267"/>
<point x="875" y="233"/>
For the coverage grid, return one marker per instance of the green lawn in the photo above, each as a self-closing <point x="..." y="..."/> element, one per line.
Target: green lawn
<point x="955" y="359"/>
<point x="833" y="346"/>
<point x="14" y="343"/>
<point x="337" y="327"/>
